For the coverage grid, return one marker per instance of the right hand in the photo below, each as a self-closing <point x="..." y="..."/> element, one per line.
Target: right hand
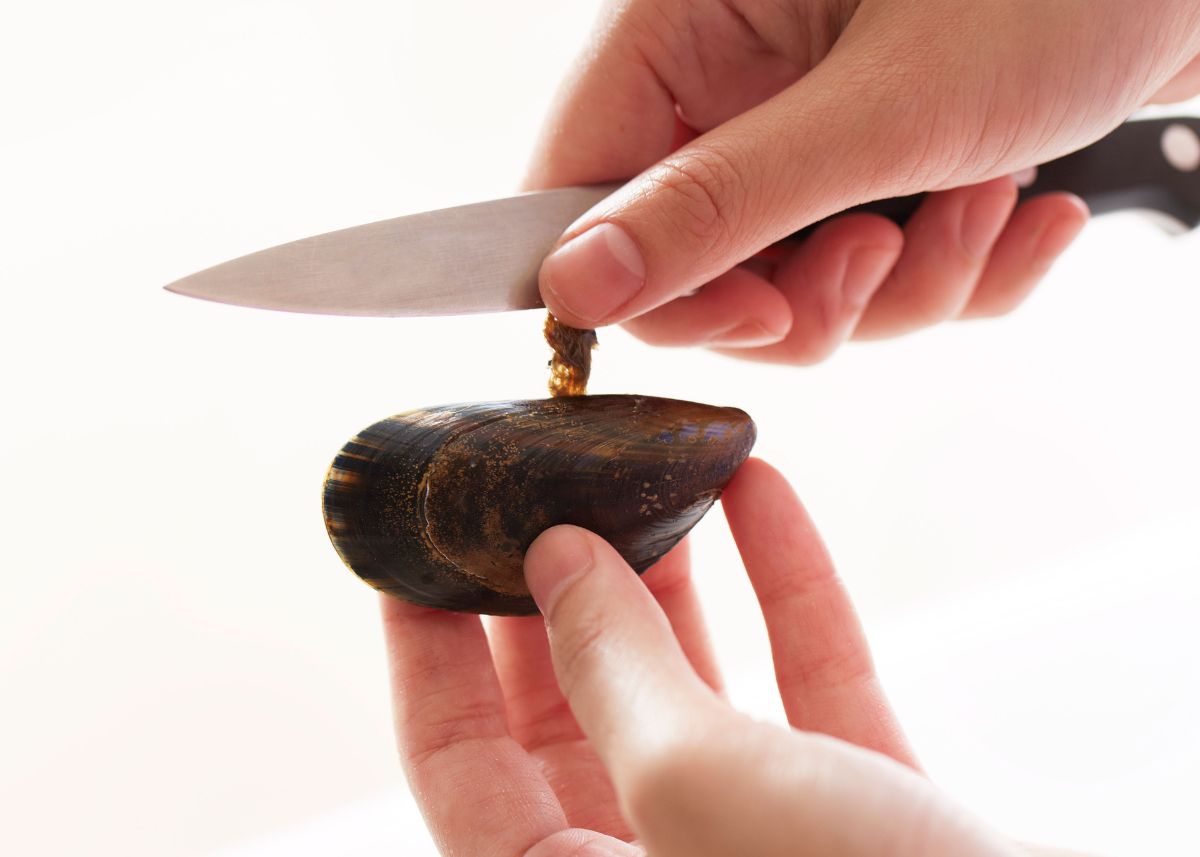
<point x="808" y="107"/>
<point x="638" y="752"/>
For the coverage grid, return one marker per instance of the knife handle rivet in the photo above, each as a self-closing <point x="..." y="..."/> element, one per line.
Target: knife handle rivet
<point x="1181" y="147"/>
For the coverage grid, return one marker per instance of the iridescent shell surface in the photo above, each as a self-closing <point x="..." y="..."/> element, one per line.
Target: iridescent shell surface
<point x="438" y="506"/>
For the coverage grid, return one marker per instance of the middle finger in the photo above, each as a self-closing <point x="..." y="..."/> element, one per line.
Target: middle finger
<point x="823" y="665"/>
<point x="946" y="248"/>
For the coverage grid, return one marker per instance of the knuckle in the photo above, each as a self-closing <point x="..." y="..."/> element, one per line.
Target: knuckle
<point x="844" y="659"/>
<point x="547" y="723"/>
<point x="841" y="666"/>
<point x="699" y="192"/>
<point x="579" y="652"/>
<point x="460" y="726"/>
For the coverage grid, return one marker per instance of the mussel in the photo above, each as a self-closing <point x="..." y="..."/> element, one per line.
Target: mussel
<point x="438" y="506"/>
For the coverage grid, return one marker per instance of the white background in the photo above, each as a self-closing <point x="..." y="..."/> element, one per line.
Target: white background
<point x="186" y="666"/>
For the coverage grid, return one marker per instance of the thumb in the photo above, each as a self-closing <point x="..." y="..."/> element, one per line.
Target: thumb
<point x="619" y="664"/>
<point x="845" y="133"/>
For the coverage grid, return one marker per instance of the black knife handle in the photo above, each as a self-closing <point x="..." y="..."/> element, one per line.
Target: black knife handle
<point x="1128" y="169"/>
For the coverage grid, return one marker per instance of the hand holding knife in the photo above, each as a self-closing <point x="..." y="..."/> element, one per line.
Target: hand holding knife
<point x="484" y="257"/>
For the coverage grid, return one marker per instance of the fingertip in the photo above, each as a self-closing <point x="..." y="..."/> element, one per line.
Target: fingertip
<point x="587" y="280"/>
<point x="1073" y="201"/>
<point x="1069" y="216"/>
<point x="752" y="471"/>
<point x="1051" y="208"/>
<point x="1038" y="233"/>
<point x="557" y="558"/>
<point x="949" y="241"/>
<point x="987" y="209"/>
<point x="757" y="482"/>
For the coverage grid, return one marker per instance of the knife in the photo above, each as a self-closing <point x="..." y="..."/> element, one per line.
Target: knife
<point x="485" y="257"/>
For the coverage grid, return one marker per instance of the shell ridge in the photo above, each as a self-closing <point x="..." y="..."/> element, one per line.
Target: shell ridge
<point x="423" y="488"/>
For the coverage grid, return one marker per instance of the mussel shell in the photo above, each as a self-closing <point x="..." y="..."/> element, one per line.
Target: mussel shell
<point x="438" y="506"/>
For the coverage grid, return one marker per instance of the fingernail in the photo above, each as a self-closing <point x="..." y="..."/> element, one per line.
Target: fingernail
<point x="594" y="273"/>
<point x="866" y="270"/>
<point x="750" y="334"/>
<point x="556" y="559"/>
<point x="982" y="222"/>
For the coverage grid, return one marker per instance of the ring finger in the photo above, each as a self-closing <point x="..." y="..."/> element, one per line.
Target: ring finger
<point x="946" y="248"/>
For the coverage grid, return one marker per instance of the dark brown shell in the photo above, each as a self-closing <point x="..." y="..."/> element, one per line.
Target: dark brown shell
<point x="438" y="506"/>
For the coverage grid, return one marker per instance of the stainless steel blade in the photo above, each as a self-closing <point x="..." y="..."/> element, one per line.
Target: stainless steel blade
<point x="482" y="257"/>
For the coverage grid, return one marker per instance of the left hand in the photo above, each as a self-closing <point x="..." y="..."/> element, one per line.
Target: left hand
<point x="494" y="756"/>
<point x="641" y="748"/>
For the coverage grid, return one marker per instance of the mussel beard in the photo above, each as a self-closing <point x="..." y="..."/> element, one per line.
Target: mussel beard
<point x="571" y="357"/>
<point x="438" y="506"/>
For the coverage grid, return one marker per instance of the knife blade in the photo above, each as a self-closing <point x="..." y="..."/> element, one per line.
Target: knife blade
<point x="484" y="257"/>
